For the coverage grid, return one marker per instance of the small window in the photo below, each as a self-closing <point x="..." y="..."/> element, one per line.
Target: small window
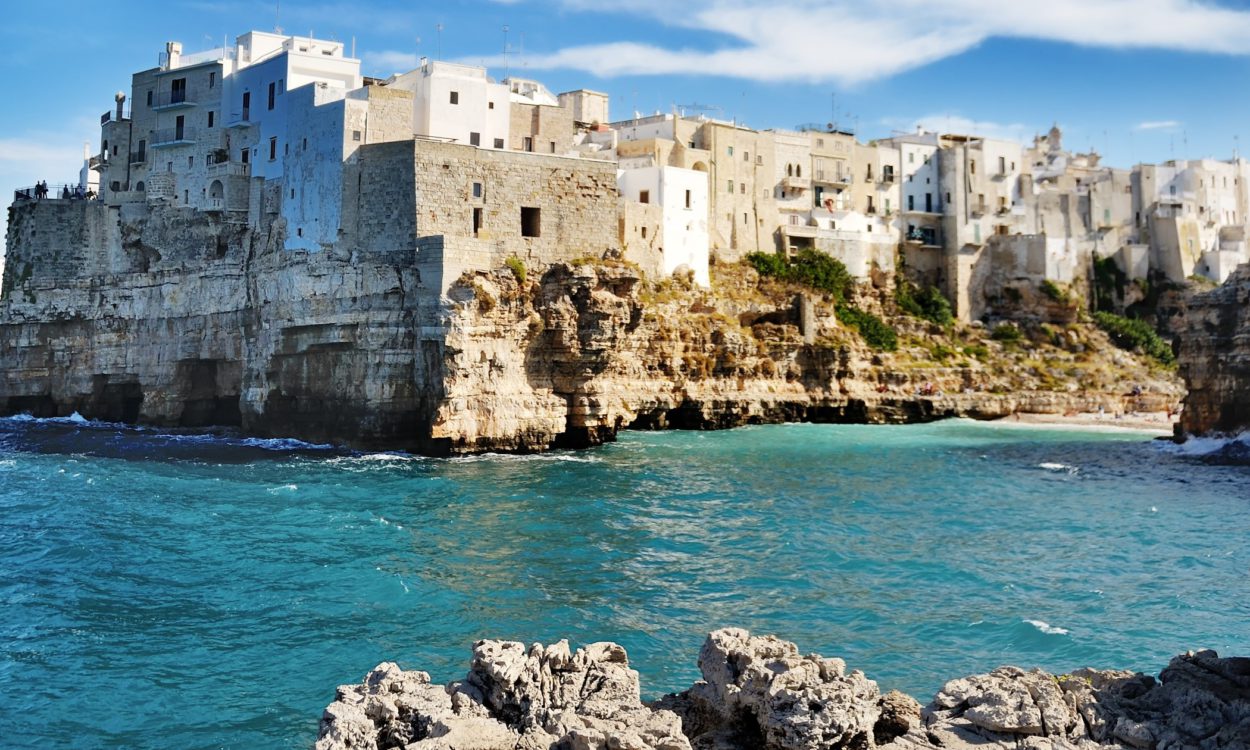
<point x="273" y="93"/>
<point x="149" y="98"/>
<point x="304" y="145"/>
<point x="742" y="188"/>
<point x="475" y="139"/>
<point x="211" y="118"/>
<point x="644" y="196"/>
<point x="759" y="160"/>
<point x="356" y="135"/>
<point x="731" y="150"/>
<point x="212" y="78"/>
<point x="553" y="147"/>
<point x="281" y="85"/>
<point x="455" y="97"/>
<point x="972" y="166"/>
<point x="531" y="222"/>
<point x="190" y="162"/>
<point x="689" y="199"/>
<point x="299" y="232"/>
<point x="499" y="143"/>
<point x="477" y="190"/>
<point x="273" y="148"/>
<point x="292" y="193"/>
<point x="489" y="105"/>
<point x="746" y="156"/>
<point x="527" y="144"/>
<point x="477" y="219"/>
<point x="244" y="156"/>
<point x="745" y="219"/>
<point x="644" y="233"/>
<point x="730" y="186"/>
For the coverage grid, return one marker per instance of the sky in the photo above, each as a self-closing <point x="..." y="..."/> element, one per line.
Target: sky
<point x="1136" y="80"/>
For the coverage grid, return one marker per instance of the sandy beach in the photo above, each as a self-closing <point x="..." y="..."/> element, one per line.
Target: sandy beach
<point x="1159" y="423"/>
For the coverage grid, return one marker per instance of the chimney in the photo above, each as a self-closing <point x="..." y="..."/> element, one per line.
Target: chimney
<point x="173" y="54"/>
<point x="120" y="98"/>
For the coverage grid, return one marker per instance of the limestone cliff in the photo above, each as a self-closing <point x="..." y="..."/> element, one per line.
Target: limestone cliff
<point x="1214" y="356"/>
<point x="172" y="317"/>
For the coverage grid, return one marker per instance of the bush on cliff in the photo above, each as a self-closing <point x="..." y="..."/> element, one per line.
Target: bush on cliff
<point x="809" y="268"/>
<point x="517" y="267"/>
<point x="872" y="329"/>
<point x="1134" y="334"/>
<point x="927" y="304"/>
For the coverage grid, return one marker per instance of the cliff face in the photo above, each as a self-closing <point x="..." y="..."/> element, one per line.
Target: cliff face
<point x="1214" y="356"/>
<point x="174" y="318"/>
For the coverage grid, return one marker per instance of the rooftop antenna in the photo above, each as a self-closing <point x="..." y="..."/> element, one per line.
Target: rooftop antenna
<point x="353" y="46"/>
<point x="439" y="27"/>
<point x="521" y="52"/>
<point x="277" y="16"/>
<point x="505" y="52"/>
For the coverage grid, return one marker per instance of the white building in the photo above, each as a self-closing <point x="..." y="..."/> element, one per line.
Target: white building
<point x="459" y="103"/>
<point x="680" y="214"/>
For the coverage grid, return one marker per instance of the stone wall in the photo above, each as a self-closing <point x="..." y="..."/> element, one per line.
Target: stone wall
<point x="550" y="129"/>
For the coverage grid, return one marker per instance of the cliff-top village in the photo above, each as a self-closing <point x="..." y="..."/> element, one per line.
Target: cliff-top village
<point x="285" y="129"/>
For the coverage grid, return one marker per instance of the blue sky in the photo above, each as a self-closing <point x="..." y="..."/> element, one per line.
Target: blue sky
<point x="1137" y="80"/>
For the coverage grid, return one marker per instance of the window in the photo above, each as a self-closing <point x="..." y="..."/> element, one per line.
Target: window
<point x="759" y="160"/>
<point x="1002" y="165"/>
<point x="304" y="145"/>
<point x="689" y="199"/>
<point x="911" y="158"/>
<point x="644" y="196"/>
<point x="553" y="147"/>
<point x="731" y="150"/>
<point x="356" y="135"/>
<point x="742" y="188"/>
<point x="211" y="115"/>
<point x="180" y="125"/>
<point x="489" y="105"/>
<point x="190" y="162"/>
<point x="746" y="156"/>
<point x="745" y="219"/>
<point x="475" y="139"/>
<point x="455" y="97"/>
<point x="292" y="193"/>
<point x="499" y="143"/>
<point x="477" y="217"/>
<point x="928" y="203"/>
<point x="729" y="186"/>
<point x="149" y="98"/>
<point x="531" y="222"/>
<point x="911" y="203"/>
<point x="178" y="91"/>
<point x="644" y="232"/>
<point x="247" y="106"/>
<point x="212" y="78"/>
<point x="972" y="167"/>
<point x="273" y="90"/>
<point x="244" y="156"/>
<point x="281" y="85"/>
<point x="820" y="143"/>
<point x="273" y="148"/>
<point x="527" y="144"/>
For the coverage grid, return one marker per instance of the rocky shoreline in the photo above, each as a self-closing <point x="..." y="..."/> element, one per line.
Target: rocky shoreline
<point x="760" y="693"/>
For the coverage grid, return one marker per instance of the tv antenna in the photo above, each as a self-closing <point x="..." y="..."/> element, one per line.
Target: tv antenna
<point x="505" y="52"/>
<point x="439" y="27"/>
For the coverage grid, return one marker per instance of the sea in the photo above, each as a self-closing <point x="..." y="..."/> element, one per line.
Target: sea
<point x="208" y="591"/>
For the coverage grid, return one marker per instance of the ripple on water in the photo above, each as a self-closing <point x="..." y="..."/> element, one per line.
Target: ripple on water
<point x="212" y="574"/>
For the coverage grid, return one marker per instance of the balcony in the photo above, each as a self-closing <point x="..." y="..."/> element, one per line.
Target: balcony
<point x="924" y="237"/>
<point x="230" y="169"/>
<point x="978" y="209"/>
<point x="796" y="183"/>
<point x="243" y="120"/>
<point x="834" y="178"/>
<point x="887" y="177"/>
<point x="800" y="230"/>
<point x="138" y="157"/>
<point x="171" y="100"/>
<point x="171" y="137"/>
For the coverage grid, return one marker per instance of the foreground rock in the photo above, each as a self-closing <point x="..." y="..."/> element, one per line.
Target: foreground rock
<point x="758" y="692"/>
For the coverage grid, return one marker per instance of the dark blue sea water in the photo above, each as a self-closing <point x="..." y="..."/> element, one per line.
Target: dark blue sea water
<point x="162" y="591"/>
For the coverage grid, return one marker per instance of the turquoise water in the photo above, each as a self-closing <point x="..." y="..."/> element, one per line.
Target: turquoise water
<point x="200" y="593"/>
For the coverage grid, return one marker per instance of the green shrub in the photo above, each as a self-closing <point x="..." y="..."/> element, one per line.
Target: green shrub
<point x="1133" y="334"/>
<point x="977" y="351"/>
<point x="927" y="304"/>
<point x="1006" y="333"/>
<point x="1052" y="290"/>
<point x="872" y="329"/>
<point x="809" y="268"/>
<point x="1109" y="283"/>
<point x="517" y="266"/>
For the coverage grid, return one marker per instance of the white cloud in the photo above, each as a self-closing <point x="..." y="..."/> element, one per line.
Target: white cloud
<point x="1159" y="125"/>
<point x="388" y="61"/>
<point x="960" y="125"/>
<point x="854" y="41"/>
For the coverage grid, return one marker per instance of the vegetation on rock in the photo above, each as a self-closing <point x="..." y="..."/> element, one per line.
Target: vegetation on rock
<point x="1133" y="334"/>
<point x="872" y="329"/>
<point x="809" y="268"/>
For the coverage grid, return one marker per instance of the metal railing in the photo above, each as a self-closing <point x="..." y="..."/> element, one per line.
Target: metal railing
<point x="138" y="157"/>
<point x="111" y="116"/>
<point x="170" y="136"/>
<point x="67" y="191"/>
<point x="172" y="99"/>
